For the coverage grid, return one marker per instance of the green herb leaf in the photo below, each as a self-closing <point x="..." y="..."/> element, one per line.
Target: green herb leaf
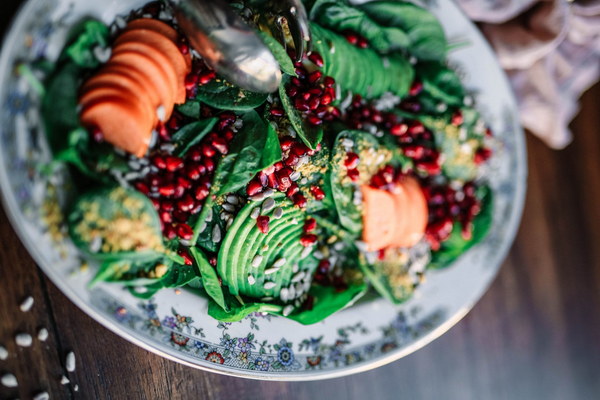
<point x="311" y="136"/>
<point x="440" y="83"/>
<point x="191" y="108"/>
<point x="191" y="134"/>
<point x="236" y="312"/>
<point x="89" y="34"/>
<point x="281" y="56"/>
<point x="210" y="280"/>
<point x="225" y="96"/>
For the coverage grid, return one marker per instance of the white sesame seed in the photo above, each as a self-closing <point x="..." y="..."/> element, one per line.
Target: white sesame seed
<point x="64" y="380"/>
<point x="23" y="339"/>
<point x="251" y="280"/>
<point x="228" y="207"/>
<point x="70" y="362"/>
<point x="42" y="334"/>
<point x="271" y="271"/>
<point x="294" y="176"/>
<point x="269" y="285"/>
<point x="140" y="289"/>
<point x="26" y="304"/>
<point x="294" y="221"/>
<point x="278" y="213"/>
<point x="231" y="199"/>
<point x="229" y="223"/>
<point x="257" y="260"/>
<point x="9" y="381"/>
<point x="216" y="234"/>
<point x="279" y="263"/>
<point x="3" y="353"/>
<point x="287" y="310"/>
<point x="267" y="205"/>
<point x="41" y="396"/>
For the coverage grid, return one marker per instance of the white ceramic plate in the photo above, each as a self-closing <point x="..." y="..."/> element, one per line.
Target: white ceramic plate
<point x="175" y="324"/>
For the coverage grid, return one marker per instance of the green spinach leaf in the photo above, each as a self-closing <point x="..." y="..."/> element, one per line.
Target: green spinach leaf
<point x="281" y="56"/>
<point x="191" y="108"/>
<point x="88" y="35"/>
<point x="440" y="83"/>
<point x="210" y="280"/>
<point x="225" y="96"/>
<point x="191" y="134"/>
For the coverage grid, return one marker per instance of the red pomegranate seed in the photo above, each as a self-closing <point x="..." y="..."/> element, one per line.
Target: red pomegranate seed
<point x="457" y="118"/>
<point x="191" y="81"/>
<point x="399" y="129"/>
<point x="431" y="167"/>
<point x="166" y="217"/>
<point x="186" y="184"/>
<point x="156" y="204"/>
<point x="185" y="231"/>
<point x="352" y="160"/>
<point x="220" y="144"/>
<point x="253" y="188"/>
<point x="326" y="99"/>
<point x="316" y="59"/>
<point x="301" y="72"/>
<point x="167" y="190"/>
<point x="414" y="151"/>
<point x="173" y="163"/>
<point x="314" y="103"/>
<point x="142" y="187"/>
<point x="299" y="200"/>
<point x="195" y="154"/>
<point x="315" y="121"/>
<point x="201" y="192"/>
<point x="381" y="255"/>
<point x="415" y="128"/>
<point x="293" y="189"/>
<point x="163" y="132"/>
<point x="489" y="132"/>
<point x="317" y="192"/>
<point x="292" y="91"/>
<point x="315" y="76"/>
<point x="299" y="149"/>
<point x="328" y="82"/>
<point x="192" y="172"/>
<point x="272" y="181"/>
<point x="180" y="216"/>
<point x="167" y="205"/>
<point x="296" y="82"/>
<point x="208" y="150"/>
<point x="184" y="48"/>
<point x="169" y="232"/>
<point x="209" y="164"/>
<point x="482" y="155"/>
<point x="291" y="160"/>
<point x="416" y="88"/>
<point x="388" y="173"/>
<point x="353" y="174"/>
<point x="276" y="111"/>
<point x="308" y="240"/>
<point x="301" y="105"/>
<point x="262" y="222"/>
<point x="351" y="37"/>
<point x="186" y="256"/>
<point x="310" y="225"/>
<point x="159" y="162"/>
<point x="207" y="77"/>
<point x="362" y="43"/>
<point x="377" y="181"/>
<point x="286" y="143"/>
<point x="277" y="166"/>
<point x="186" y="204"/>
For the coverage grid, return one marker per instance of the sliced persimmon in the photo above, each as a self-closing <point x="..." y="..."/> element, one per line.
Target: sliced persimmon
<point x="154" y="25"/>
<point x="379" y="218"/>
<point x="122" y="122"/>
<point x="165" y="46"/>
<point x="412" y="212"/>
<point x="153" y="72"/>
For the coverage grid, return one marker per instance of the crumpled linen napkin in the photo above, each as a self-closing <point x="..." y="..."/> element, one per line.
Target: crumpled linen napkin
<point x="551" y="52"/>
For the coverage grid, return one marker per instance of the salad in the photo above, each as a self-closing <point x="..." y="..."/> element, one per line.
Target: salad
<point x="363" y="171"/>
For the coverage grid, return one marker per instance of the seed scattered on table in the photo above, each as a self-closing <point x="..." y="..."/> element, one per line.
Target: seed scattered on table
<point x="26" y="304"/>
<point x="23" y="339"/>
<point x="9" y="381"/>
<point x="64" y="380"/>
<point x="41" y="396"/>
<point x="42" y="334"/>
<point x="3" y="353"/>
<point x="70" y="362"/>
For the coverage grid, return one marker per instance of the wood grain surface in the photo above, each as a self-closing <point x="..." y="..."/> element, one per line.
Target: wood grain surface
<point x="534" y="335"/>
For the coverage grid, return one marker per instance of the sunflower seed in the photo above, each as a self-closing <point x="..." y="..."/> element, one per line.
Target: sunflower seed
<point x="347" y="143"/>
<point x="231" y="199"/>
<point x="255" y="213"/>
<point x="269" y="285"/>
<point x="278" y="213"/>
<point x="295" y="268"/>
<point x="267" y="298"/>
<point x="26" y="304"/>
<point x="3" y="353"/>
<point x="23" y="339"/>
<point x="257" y="260"/>
<point x="279" y="263"/>
<point x="168" y="147"/>
<point x="306" y="252"/>
<point x="258" y="197"/>
<point x="251" y="280"/>
<point x="161" y="113"/>
<point x="298" y="277"/>
<point x="294" y="176"/>
<point x="271" y="271"/>
<point x="41" y="396"/>
<point x="202" y="227"/>
<point x="287" y="310"/>
<point x="267" y="205"/>
<point x="291" y="293"/>
<point x="318" y="255"/>
<point x="216" y="234"/>
<point x="9" y="381"/>
<point x="228" y="207"/>
<point x="268" y="192"/>
<point x="70" y="362"/>
<point x="42" y="334"/>
<point x="229" y="223"/>
<point x="209" y="215"/>
<point x="283" y="294"/>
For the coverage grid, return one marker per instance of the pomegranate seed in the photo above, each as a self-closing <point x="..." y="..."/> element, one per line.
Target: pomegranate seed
<point x="301" y="72"/>
<point x="173" y="163"/>
<point x="388" y="174"/>
<point x="220" y="144"/>
<point x="166" y="217"/>
<point x="184" y="48"/>
<point x="381" y="255"/>
<point x="208" y="150"/>
<point x="414" y="151"/>
<point x="180" y="216"/>
<point x="328" y="82"/>
<point x="292" y="91"/>
<point x="310" y="225"/>
<point x="156" y="204"/>
<point x="301" y="105"/>
<point x="186" y="204"/>
<point x="186" y="256"/>
<point x="306" y="96"/>
<point x="314" y="103"/>
<point x="489" y="132"/>
<point x="262" y="222"/>
<point x="317" y="192"/>
<point x="97" y="135"/>
<point x="411" y="106"/>
<point x="416" y="88"/>
<point x="292" y="190"/>
<point x="159" y="162"/>
<point x="207" y="77"/>
<point x="277" y="166"/>
<point x="253" y="188"/>
<point x="335" y="112"/>
<point x="201" y="192"/>
<point x="299" y="200"/>
<point x="315" y="121"/>
<point x="209" y="164"/>
<point x="377" y="181"/>
<point x="316" y="59"/>
<point x="185" y="231"/>
<point x="326" y="99"/>
<point x="227" y="116"/>
<point x="299" y="149"/>
<point x="163" y="132"/>
<point x="291" y="160"/>
<point x="431" y="167"/>
<point x="195" y="154"/>
<point x="228" y="135"/>
<point x="415" y="128"/>
<point x="286" y="143"/>
<point x="469" y="189"/>
<point x="315" y="76"/>
<point x="167" y="190"/>
<point x="352" y="160"/>
<point x="191" y="81"/>
<point x="296" y="82"/>
<point x="352" y="38"/>
<point x="362" y="43"/>
<point x="167" y="206"/>
<point x="482" y="155"/>
<point x="353" y="174"/>
<point x="169" y="232"/>
<point x="399" y="129"/>
<point x="467" y="231"/>
<point x="457" y="118"/>
<point x="272" y="181"/>
<point x="308" y="240"/>
<point x="192" y="172"/>
<point x="142" y="187"/>
<point x="276" y="111"/>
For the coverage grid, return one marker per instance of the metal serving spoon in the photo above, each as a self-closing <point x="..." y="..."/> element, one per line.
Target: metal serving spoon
<point x="231" y="47"/>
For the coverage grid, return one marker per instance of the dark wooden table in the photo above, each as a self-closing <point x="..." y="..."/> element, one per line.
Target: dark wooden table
<point x="534" y="335"/>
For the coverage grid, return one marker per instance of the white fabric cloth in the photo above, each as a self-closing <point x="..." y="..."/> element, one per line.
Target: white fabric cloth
<point x="551" y="52"/>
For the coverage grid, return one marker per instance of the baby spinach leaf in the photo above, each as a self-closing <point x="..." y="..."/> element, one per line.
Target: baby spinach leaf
<point x="311" y="136"/>
<point x="281" y="56"/>
<point x="205" y="238"/>
<point x="88" y="35"/>
<point x="254" y="148"/>
<point x="375" y="275"/>
<point x="210" y="280"/>
<point x="427" y="40"/>
<point x="225" y="96"/>
<point x="191" y="134"/>
<point x="235" y="311"/>
<point x="179" y="276"/>
<point x="440" y="83"/>
<point x="191" y="108"/>
<point x="456" y="245"/>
